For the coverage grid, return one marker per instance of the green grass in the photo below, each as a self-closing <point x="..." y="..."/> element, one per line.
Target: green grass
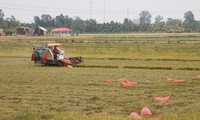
<point x="109" y="50"/>
<point x="128" y="46"/>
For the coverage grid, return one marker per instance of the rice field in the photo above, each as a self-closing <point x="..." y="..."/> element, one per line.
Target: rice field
<point x="31" y="91"/>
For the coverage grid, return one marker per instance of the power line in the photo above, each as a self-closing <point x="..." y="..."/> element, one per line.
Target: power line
<point x="42" y="10"/>
<point x="91" y="13"/>
<point x="82" y="11"/>
<point x="25" y="9"/>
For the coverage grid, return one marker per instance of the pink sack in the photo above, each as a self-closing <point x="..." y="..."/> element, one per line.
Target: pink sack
<point x="133" y="83"/>
<point x="169" y="79"/>
<point x="134" y="115"/>
<point x="179" y="81"/>
<point x="161" y="99"/>
<point x="109" y="81"/>
<point x="145" y="112"/>
<point x="125" y="84"/>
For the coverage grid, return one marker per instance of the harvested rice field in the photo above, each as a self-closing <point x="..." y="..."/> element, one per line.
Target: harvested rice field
<point x="98" y="88"/>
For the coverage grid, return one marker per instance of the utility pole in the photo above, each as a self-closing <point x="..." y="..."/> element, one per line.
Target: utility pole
<point x="127" y="12"/>
<point x="104" y="11"/>
<point x="90" y="9"/>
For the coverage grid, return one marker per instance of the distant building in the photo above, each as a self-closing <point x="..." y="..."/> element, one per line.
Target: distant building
<point x="136" y="21"/>
<point x="40" y="31"/>
<point x="61" y="32"/>
<point x="24" y="31"/>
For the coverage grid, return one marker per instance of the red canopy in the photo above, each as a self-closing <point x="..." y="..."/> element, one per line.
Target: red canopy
<point x="61" y="29"/>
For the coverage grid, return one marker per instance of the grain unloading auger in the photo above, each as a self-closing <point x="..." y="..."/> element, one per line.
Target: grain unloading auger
<point x="51" y="55"/>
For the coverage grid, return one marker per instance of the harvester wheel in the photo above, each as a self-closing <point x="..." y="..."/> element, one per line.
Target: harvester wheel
<point x="35" y="59"/>
<point x="59" y="63"/>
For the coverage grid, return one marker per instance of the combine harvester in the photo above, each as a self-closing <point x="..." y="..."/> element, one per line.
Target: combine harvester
<point x="51" y="55"/>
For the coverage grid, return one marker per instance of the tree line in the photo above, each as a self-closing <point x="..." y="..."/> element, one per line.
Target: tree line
<point x="145" y="24"/>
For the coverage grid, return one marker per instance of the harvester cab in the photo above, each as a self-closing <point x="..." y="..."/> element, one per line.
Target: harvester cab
<point x="50" y="54"/>
<point x="55" y="52"/>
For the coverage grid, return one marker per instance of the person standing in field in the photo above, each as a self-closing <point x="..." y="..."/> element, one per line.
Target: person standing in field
<point x="40" y="53"/>
<point x="35" y="55"/>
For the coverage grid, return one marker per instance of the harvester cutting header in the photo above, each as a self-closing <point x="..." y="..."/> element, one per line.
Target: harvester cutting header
<point x="50" y="54"/>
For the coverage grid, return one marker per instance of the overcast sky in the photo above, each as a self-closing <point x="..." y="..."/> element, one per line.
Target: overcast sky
<point x="101" y="10"/>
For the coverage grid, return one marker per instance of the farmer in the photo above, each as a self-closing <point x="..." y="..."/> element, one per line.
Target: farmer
<point x="56" y="50"/>
<point x="40" y="53"/>
<point x="35" y="55"/>
<point x="34" y="52"/>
